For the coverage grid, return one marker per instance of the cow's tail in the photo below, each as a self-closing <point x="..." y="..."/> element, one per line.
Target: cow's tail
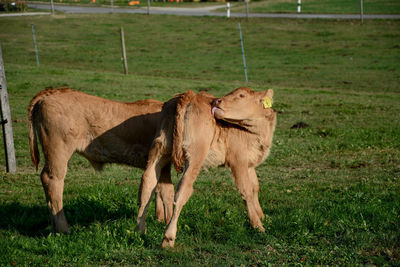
<point x="177" y="149"/>
<point x="32" y="132"/>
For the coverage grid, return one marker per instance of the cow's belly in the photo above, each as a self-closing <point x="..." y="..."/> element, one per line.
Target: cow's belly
<point x="118" y="152"/>
<point x="214" y="158"/>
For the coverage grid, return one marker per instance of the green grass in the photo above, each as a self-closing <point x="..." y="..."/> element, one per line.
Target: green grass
<point x="322" y="6"/>
<point x="331" y="192"/>
<point x="266" y="6"/>
<point x="125" y="3"/>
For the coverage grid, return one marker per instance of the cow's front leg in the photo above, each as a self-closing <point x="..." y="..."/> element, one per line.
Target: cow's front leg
<point x="245" y="186"/>
<point x="256" y="188"/>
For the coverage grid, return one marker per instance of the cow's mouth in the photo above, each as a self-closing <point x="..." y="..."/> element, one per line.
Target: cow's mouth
<point x="217" y="112"/>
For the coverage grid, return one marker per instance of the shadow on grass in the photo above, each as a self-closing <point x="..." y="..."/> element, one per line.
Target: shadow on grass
<point x="34" y="220"/>
<point x="27" y="220"/>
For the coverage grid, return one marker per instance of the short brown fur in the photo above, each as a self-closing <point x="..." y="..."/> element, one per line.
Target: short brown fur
<point x="101" y="130"/>
<point x="240" y="139"/>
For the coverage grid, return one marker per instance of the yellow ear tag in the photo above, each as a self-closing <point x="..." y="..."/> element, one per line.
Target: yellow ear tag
<point x="267" y="102"/>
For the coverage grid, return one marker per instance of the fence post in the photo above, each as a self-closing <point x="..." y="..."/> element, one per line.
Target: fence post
<point x="123" y="51"/>
<point x="361" y="12"/>
<point x="244" y="59"/>
<point x="247" y="8"/>
<point x="148" y="7"/>
<point x="228" y="10"/>
<point x="52" y="7"/>
<point x="36" y="49"/>
<point x="6" y="121"/>
<point x="112" y="6"/>
<point x="298" y="6"/>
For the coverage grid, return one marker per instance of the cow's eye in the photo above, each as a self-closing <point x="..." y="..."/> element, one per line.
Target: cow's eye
<point x="241" y="95"/>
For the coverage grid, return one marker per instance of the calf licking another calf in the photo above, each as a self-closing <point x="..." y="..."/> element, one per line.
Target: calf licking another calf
<point x="239" y="139"/>
<point x="192" y="131"/>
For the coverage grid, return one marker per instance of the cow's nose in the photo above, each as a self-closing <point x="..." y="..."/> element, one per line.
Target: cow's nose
<point x="218" y="101"/>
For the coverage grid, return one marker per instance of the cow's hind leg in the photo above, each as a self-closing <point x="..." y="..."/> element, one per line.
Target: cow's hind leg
<point x="149" y="182"/>
<point x="52" y="176"/>
<point x="159" y="205"/>
<point x="165" y="196"/>
<point x="183" y="192"/>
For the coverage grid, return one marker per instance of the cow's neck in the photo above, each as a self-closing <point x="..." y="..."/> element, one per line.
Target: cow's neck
<point x="255" y="126"/>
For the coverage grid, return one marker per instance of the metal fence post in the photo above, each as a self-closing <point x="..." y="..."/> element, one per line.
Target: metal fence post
<point x="247" y="8"/>
<point x="36" y="49"/>
<point x="361" y="12"/>
<point x="244" y="59"/>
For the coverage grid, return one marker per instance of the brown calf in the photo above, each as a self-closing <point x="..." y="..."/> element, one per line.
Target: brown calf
<point x="101" y="130"/>
<point x="240" y="139"/>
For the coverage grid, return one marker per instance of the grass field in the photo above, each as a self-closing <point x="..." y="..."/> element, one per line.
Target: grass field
<point x="265" y="6"/>
<point x="322" y="6"/>
<point x="331" y="191"/>
<point x="125" y="3"/>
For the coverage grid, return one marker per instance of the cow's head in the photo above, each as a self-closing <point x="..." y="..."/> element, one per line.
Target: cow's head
<point x="243" y="105"/>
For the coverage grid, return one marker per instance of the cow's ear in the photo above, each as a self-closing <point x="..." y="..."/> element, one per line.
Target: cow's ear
<point x="266" y="98"/>
<point x="270" y="94"/>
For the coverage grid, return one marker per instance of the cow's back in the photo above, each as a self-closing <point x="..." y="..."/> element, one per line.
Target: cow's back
<point x="102" y="130"/>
